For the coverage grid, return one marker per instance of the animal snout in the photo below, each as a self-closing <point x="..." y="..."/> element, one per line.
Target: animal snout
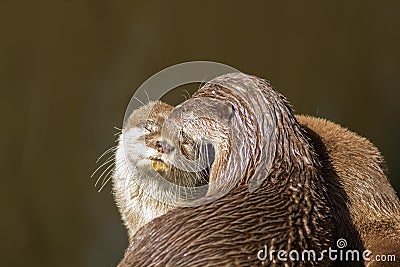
<point x="163" y="147"/>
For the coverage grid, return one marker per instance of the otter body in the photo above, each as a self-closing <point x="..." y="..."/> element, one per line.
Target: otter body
<point x="288" y="208"/>
<point x="323" y="183"/>
<point x="365" y="207"/>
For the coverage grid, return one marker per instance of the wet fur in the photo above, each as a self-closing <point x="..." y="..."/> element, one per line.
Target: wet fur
<point x="366" y="209"/>
<point x="289" y="211"/>
<point x="230" y="231"/>
<point x="138" y="193"/>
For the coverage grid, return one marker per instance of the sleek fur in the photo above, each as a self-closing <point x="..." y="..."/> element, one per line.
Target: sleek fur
<point x="365" y="208"/>
<point x="324" y="183"/>
<point x="289" y="210"/>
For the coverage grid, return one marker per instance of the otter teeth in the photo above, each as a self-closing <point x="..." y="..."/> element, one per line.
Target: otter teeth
<point x="158" y="158"/>
<point x="158" y="164"/>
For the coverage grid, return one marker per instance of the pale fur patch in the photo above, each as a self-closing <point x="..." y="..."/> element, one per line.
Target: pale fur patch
<point x="132" y="163"/>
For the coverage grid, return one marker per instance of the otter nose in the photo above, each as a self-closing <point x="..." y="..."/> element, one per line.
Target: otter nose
<point x="163" y="147"/>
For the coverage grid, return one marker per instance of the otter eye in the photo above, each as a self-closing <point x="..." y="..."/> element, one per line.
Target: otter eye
<point x="187" y="145"/>
<point x="141" y="124"/>
<point x="150" y="125"/>
<point x="188" y="151"/>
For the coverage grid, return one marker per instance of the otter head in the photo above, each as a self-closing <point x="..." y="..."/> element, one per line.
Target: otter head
<point x="137" y="164"/>
<point x="147" y="181"/>
<point x="197" y="137"/>
<point x="237" y="118"/>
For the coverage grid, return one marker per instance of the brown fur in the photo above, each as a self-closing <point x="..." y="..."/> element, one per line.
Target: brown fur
<point x="289" y="211"/>
<point x="135" y="205"/>
<point x="366" y="209"/>
<point x="229" y="232"/>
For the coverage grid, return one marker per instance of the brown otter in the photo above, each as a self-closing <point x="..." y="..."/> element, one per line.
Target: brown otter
<point x="138" y="155"/>
<point x="139" y="159"/>
<point x="348" y="162"/>
<point x="259" y="146"/>
<point x="138" y="133"/>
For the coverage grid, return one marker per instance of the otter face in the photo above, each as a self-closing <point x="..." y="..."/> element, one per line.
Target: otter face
<point x="135" y="170"/>
<point x="199" y="132"/>
<point x="149" y="179"/>
<point x="190" y="156"/>
<point x="139" y="146"/>
<point x="195" y="132"/>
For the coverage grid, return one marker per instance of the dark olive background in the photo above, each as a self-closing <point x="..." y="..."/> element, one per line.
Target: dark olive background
<point x="69" y="68"/>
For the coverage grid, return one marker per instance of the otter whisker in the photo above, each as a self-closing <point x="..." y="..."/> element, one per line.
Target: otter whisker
<point x="108" y="178"/>
<point x="188" y="94"/>
<point x="113" y="148"/>
<point x="108" y="167"/>
<point x="203" y="82"/>
<point x="108" y="160"/>
<point x="111" y="156"/>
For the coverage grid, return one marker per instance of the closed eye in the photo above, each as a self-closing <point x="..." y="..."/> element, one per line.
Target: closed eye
<point x="187" y="145"/>
<point x="150" y="126"/>
<point x="188" y="151"/>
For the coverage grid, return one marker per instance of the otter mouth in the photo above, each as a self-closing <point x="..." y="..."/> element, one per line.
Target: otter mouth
<point x="158" y="164"/>
<point x="177" y="176"/>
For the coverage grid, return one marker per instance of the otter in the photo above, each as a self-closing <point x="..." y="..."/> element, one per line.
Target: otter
<point x="138" y="159"/>
<point x="136" y="207"/>
<point x="264" y="183"/>
<point x="340" y="160"/>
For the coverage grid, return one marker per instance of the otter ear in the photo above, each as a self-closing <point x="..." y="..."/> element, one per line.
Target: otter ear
<point x="214" y="109"/>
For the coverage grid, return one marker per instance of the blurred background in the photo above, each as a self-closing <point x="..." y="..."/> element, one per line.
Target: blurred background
<point x="69" y="68"/>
